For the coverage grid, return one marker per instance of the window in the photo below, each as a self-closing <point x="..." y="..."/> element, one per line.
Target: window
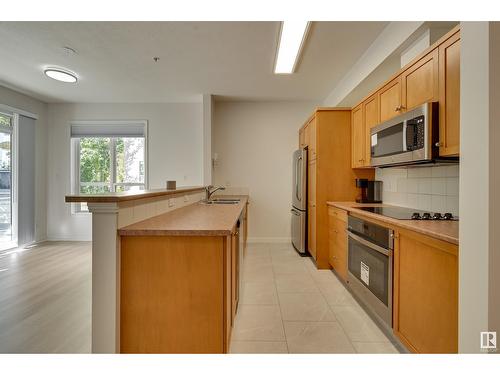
<point x="7" y="209"/>
<point x="108" y="157"/>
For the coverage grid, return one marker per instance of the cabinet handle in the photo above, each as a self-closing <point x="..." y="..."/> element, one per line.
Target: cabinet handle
<point x="397" y="108"/>
<point x="438" y="144"/>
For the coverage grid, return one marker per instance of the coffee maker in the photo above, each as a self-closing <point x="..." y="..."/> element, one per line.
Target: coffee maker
<point x="371" y="191"/>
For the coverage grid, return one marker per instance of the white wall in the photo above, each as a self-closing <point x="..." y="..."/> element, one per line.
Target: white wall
<point x="208" y="104"/>
<point x="254" y="142"/>
<point x="15" y="99"/>
<point x="480" y="77"/>
<point x="175" y="147"/>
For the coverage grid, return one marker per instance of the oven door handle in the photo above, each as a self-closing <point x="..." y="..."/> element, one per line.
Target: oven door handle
<point x="369" y="244"/>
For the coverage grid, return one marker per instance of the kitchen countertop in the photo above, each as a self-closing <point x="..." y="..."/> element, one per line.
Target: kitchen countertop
<point x="131" y="195"/>
<point x="442" y="230"/>
<point x="197" y="219"/>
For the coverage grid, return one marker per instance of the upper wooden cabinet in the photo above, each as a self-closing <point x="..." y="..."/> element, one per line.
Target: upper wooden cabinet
<point x="371" y="116"/>
<point x="425" y="310"/>
<point x="358" y="137"/>
<point x="389" y="99"/>
<point x="433" y="76"/>
<point x="302" y="138"/>
<point x="313" y="151"/>
<point x="449" y="96"/>
<point x="420" y="82"/>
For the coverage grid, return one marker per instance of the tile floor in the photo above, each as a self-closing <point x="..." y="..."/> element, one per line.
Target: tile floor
<point x="288" y="306"/>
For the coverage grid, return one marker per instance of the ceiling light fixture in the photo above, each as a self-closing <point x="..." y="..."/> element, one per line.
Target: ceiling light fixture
<point x="292" y="37"/>
<point x="61" y="75"/>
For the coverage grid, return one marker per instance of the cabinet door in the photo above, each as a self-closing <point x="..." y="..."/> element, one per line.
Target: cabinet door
<point x="420" y="81"/>
<point x="311" y="216"/>
<point x="426" y="293"/>
<point x="337" y="243"/>
<point x="313" y="151"/>
<point x="370" y="108"/>
<point x="358" y="137"/>
<point x="311" y="232"/>
<point x="449" y="97"/>
<point x="234" y="275"/>
<point x="389" y="99"/>
<point x="302" y="138"/>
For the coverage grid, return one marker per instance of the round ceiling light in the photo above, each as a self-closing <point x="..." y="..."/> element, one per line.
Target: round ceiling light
<point x="61" y="75"/>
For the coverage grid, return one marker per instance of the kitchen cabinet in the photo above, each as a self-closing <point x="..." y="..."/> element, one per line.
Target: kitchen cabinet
<point x="433" y="76"/>
<point x="425" y="310"/>
<point x="330" y="174"/>
<point x="302" y="138"/>
<point x="389" y="100"/>
<point x="449" y="96"/>
<point x="358" y="147"/>
<point x="312" y="144"/>
<point x="420" y="82"/>
<point x="371" y="119"/>
<point x="311" y="207"/>
<point x="180" y="294"/>
<point x="338" y="241"/>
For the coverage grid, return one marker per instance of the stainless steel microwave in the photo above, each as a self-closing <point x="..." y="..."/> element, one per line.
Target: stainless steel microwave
<point x="410" y="138"/>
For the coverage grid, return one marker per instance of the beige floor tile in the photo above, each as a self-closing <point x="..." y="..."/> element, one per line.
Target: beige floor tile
<point x="258" y="273"/>
<point x="358" y="325"/>
<point x="259" y="293"/>
<point x="317" y="337"/>
<point x="295" y="283"/>
<point x="258" y="323"/>
<point x="289" y="267"/>
<point x="336" y="294"/>
<point x="262" y="260"/>
<point x="310" y="266"/>
<point x="258" y="347"/>
<point x="310" y="307"/>
<point x="252" y="251"/>
<point x="375" y="348"/>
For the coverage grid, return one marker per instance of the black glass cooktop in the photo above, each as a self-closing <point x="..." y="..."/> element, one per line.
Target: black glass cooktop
<point x="403" y="213"/>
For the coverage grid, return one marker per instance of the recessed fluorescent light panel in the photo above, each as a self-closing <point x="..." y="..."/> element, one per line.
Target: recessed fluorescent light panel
<point x="292" y="36"/>
<point x="61" y="75"/>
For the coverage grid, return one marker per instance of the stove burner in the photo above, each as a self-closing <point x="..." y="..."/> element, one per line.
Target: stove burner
<point x="448" y="216"/>
<point x="436" y="216"/>
<point x="426" y="216"/>
<point x="415" y="216"/>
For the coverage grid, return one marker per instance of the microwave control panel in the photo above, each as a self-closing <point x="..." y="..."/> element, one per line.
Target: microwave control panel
<point x="415" y="133"/>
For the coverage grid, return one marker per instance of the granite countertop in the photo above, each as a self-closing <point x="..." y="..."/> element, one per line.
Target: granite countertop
<point x="131" y="195"/>
<point x="442" y="230"/>
<point x="197" y="219"/>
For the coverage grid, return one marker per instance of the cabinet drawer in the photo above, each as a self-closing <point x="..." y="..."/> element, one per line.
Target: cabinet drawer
<point x="338" y="213"/>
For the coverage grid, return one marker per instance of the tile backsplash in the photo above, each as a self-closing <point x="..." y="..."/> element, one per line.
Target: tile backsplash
<point x="426" y="188"/>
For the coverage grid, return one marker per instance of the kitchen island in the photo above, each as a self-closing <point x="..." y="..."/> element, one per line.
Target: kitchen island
<point x="180" y="233"/>
<point x="180" y="279"/>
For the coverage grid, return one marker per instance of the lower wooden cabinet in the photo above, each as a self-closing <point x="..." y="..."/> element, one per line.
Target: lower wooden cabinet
<point x="425" y="311"/>
<point x="337" y="254"/>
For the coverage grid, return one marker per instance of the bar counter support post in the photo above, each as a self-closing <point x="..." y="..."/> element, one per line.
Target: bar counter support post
<point x="105" y="278"/>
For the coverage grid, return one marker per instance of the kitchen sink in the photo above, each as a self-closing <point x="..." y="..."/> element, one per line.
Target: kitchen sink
<point x="221" y="201"/>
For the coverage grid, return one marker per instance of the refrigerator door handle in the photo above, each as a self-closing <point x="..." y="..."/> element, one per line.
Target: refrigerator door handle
<point x="294" y="212"/>
<point x="297" y="178"/>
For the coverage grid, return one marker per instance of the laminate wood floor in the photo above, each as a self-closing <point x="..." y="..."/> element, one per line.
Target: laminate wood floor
<point x="45" y="298"/>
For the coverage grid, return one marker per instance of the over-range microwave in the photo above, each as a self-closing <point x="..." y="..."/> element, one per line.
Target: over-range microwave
<point x="408" y="139"/>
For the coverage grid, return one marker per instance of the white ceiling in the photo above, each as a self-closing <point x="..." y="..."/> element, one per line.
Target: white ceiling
<point x="233" y="60"/>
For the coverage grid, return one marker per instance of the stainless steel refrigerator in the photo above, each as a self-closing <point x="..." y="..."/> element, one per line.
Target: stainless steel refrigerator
<point x="299" y="201"/>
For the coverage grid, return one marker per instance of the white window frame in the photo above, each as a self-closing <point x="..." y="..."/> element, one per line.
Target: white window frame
<point x="13" y="130"/>
<point x="75" y="160"/>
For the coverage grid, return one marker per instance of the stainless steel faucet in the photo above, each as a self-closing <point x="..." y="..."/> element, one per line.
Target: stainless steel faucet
<point x="211" y="192"/>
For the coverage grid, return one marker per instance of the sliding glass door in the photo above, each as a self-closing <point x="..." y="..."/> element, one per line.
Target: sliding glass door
<point x="7" y="209"/>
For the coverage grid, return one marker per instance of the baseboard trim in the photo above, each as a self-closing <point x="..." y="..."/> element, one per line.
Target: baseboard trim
<point x="68" y="239"/>
<point x="269" y="240"/>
